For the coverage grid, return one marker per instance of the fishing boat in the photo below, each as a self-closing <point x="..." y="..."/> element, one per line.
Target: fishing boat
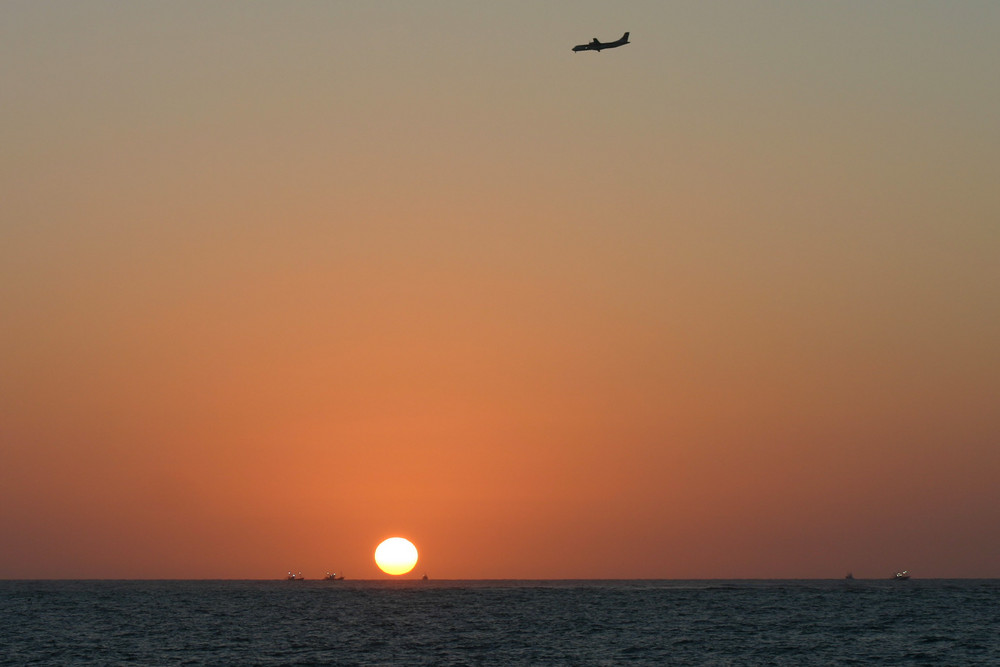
<point x="902" y="576"/>
<point x="293" y="576"/>
<point x="333" y="576"/>
<point x="850" y="576"/>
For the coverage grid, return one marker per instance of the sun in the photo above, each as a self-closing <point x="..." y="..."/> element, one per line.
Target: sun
<point x="396" y="555"/>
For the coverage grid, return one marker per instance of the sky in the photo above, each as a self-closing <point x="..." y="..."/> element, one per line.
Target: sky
<point x="279" y="280"/>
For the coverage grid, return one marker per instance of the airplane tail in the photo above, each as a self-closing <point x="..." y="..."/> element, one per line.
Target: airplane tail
<point x="625" y="38"/>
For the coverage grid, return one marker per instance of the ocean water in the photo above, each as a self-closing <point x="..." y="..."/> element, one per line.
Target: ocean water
<point x="941" y="622"/>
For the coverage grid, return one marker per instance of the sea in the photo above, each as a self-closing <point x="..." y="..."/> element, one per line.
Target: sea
<point x="833" y="622"/>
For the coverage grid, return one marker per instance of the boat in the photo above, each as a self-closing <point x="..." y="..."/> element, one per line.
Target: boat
<point x="295" y="576"/>
<point x="850" y="576"/>
<point x="902" y="576"/>
<point x="333" y="576"/>
<point x="423" y="578"/>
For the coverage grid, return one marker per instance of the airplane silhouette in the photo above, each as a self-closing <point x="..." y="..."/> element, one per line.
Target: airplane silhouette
<point x="597" y="45"/>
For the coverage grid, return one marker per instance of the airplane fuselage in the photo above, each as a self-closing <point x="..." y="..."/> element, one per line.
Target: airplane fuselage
<point x="597" y="45"/>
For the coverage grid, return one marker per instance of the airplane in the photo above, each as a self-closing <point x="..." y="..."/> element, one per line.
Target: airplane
<point x="597" y="45"/>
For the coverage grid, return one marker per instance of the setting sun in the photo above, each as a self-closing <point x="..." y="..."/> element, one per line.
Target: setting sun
<point x="396" y="555"/>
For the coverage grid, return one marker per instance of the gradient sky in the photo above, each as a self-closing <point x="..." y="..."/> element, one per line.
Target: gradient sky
<point x="280" y="280"/>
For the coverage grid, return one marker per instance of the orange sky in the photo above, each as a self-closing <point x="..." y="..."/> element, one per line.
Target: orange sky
<point x="281" y="281"/>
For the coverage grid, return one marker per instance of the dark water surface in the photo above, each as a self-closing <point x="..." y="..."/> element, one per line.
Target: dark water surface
<point x="949" y="622"/>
